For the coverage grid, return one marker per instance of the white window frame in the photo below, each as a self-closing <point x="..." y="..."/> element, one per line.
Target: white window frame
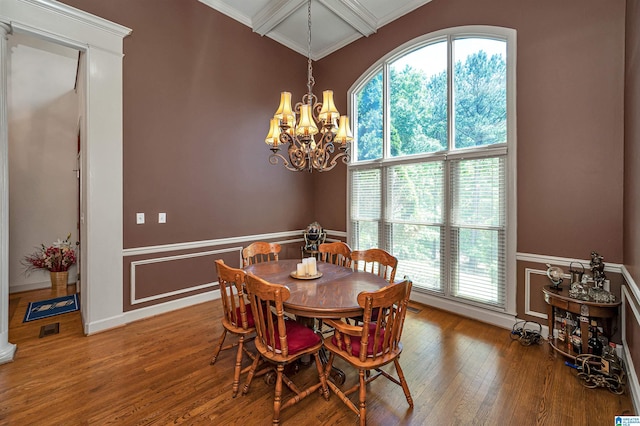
<point x="501" y="317"/>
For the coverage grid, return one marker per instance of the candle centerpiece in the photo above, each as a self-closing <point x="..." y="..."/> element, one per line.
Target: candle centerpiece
<point x="308" y="269"/>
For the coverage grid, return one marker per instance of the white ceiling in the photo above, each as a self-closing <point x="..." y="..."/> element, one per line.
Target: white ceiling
<point x="334" y="23"/>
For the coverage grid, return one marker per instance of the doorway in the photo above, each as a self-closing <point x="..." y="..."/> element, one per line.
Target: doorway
<point x="44" y="151"/>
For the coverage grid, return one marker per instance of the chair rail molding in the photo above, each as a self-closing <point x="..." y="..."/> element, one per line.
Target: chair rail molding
<point x="563" y="261"/>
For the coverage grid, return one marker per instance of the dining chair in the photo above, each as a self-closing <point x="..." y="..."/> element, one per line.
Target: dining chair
<point x="237" y="319"/>
<point x="376" y="261"/>
<point x="260" y="251"/>
<point x="372" y="345"/>
<point x="281" y="341"/>
<point x="338" y="253"/>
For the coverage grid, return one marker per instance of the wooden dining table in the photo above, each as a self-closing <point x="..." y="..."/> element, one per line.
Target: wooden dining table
<point x="333" y="295"/>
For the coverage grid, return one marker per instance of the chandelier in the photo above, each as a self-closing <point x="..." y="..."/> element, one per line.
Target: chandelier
<point x="315" y="119"/>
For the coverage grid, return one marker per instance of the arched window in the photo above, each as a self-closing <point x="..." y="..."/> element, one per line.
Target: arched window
<point x="432" y="174"/>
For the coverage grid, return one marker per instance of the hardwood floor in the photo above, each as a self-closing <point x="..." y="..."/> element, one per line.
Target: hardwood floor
<point x="156" y="371"/>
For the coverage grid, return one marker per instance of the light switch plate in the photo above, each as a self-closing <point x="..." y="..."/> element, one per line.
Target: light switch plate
<point x="139" y="218"/>
<point x="162" y="218"/>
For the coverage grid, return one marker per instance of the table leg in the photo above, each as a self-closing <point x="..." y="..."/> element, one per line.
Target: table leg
<point x="315" y="324"/>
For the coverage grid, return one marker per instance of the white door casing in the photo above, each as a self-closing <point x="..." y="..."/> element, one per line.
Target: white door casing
<point x="101" y="154"/>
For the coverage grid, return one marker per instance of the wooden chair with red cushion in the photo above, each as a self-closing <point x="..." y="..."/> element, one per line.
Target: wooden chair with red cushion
<point x="372" y="345"/>
<point x="376" y="261"/>
<point x="338" y="253"/>
<point x="281" y="341"/>
<point x="238" y="317"/>
<point x="260" y="251"/>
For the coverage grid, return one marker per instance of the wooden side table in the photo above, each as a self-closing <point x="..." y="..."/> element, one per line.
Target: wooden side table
<point x="584" y="310"/>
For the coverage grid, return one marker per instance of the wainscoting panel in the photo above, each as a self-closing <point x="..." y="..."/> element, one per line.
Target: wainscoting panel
<point x="162" y="277"/>
<point x="160" y="274"/>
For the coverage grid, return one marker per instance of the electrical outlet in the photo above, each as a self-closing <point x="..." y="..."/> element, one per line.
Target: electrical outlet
<point x="162" y="218"/>
<point x="139" y="218"/>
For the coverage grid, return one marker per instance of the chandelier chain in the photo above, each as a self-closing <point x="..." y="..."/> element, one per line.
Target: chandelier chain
<point x="310" y="79"/>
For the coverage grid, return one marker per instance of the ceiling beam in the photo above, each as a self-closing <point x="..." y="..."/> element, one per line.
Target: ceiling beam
<point x="273" y="14"/>
<point x="354" y="14"/>
<point x="231" y="12"/>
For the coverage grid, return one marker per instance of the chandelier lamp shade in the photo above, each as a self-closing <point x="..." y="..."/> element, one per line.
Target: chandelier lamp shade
<point x="297" y="128"/>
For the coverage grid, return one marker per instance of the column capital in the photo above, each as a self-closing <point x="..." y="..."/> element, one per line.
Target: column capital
<point x="5" y="28"/>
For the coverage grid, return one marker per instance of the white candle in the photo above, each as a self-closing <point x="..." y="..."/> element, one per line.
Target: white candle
<point x="300" y="269"/>
<point x="305" y="265"/>
<point x="313" y="267"/>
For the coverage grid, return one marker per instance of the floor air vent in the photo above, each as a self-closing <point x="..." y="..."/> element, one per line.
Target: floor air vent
<point x="414" y="309"/>
<point x="49" y="329"/>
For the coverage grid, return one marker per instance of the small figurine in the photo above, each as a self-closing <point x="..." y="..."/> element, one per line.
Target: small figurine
<point x="597" y="268"/>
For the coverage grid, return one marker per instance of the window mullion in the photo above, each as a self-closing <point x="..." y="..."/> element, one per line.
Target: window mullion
<point x="447" y="238"/>
<point x="382" y="224"/>
<point x="386" y="108"/>
<point x="447" y="264"/>
<point x="450" y="100"/>
<point x="384" y="229"/>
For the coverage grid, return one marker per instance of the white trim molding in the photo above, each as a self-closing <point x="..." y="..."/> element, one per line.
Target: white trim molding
<point x="527" y="291"/>
<point x="564" y="261"/>
<point x="137" y="251"/>
<point x="634" y="386"/>
<point x="135" y="300"/>
<point x="499" y="319"/>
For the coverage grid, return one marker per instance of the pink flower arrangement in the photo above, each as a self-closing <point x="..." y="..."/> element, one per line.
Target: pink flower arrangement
<point x="58" y="257"/>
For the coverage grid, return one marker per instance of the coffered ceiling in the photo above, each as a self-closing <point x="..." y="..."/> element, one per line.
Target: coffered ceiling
<point x="334" y="23"/>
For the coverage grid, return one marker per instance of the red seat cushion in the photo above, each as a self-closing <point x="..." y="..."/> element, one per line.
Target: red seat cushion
<point x="299" y="337"/>
<point x="250" y="322"/>
<point x="356" y="342"/>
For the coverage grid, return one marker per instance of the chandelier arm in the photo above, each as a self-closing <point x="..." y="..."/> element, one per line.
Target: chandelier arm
<point x="324" y="148"/>
<point x="343" y="155"/>
<point x="298" y="156"/>
<point x="275" y="157"/>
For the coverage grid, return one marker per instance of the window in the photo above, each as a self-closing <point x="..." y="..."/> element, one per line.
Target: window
<point x="432" y="163"/>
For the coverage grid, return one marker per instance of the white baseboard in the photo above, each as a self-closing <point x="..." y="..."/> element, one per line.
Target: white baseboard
<point x="499" y="319"/>
<point x="138" y="314"/>
<point x="29" y="287"/>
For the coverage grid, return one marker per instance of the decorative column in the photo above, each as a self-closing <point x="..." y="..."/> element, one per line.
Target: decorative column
<point x="7" y="350"/>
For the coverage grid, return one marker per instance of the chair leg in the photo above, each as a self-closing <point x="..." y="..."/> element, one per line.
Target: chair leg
<point x="403" y="382"/>
<point x="218" y="348"/>
<point x="238" y="367"/>
<point x="363" y="398"/>
<point x="277" y="399"/>
<point x="252" y="371"/>
<point x="323" y="378"/>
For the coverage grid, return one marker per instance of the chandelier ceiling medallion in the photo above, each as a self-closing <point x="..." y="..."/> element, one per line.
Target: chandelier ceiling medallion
<point x="304" y="152"/>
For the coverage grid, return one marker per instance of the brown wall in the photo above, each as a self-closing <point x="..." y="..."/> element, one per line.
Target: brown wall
<point x="199" y="89"/>
<point x="632" y="142"/>
<point x="632" y="175"/>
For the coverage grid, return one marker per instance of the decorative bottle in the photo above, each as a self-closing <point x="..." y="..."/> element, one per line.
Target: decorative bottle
<point x="595" y="345"/>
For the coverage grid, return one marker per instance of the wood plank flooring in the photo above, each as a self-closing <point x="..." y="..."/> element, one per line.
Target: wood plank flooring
<point x="156" y="372"/>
